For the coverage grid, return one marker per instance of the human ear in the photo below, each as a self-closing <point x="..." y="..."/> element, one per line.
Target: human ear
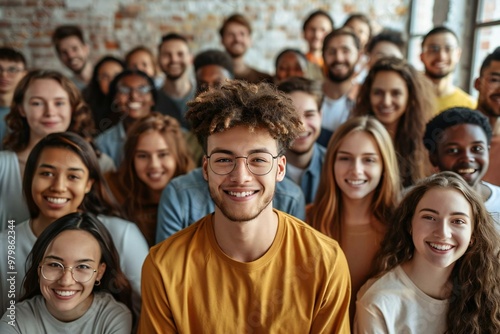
<point x="100" y="271"/>
<point x="281" y="171"/>
<point x="205" y="167"/>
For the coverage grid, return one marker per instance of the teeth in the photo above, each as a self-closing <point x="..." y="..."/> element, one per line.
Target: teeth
<point x="356" y="182"/>
<point x="155" y="175"/>
<point x="303" y="134"/>
<point x="56" y="200"/>
<point x="134" y="105"/>
<point x="242" y="194"/>
<point x="440" y="247"/>
<point x="65" y="293"/>
<point x="466" y="171"/>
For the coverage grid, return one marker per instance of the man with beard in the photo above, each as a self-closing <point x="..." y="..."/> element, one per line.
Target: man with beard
<point x="73" y="52"/>
<point x="246" y="268"/>
<point x="174" y="59"/>
<point x="305" y="157"/>
<point x="341" y="51"/>
<point x="488" y="103"/>
<point x="440" y="56"/>
<point x="12" y="70"/>
<point x="186" y="198"/>
<point x="235" y="35"/>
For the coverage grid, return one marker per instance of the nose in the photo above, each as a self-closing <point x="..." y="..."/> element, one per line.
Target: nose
<point x="134" y="94"/>
<point x="155" y="161"/>
<point x="67" y="278"/>
<point x="357" y="166"/>
<point x="442" y="229"/>
<point x="59" y="184"/>
<point x="240" y="171"/>
<point x="387" y="99"/>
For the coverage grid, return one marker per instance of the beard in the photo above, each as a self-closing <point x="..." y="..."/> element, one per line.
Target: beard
<point x="235" y="53"/>
<point x="340" y="78"/>
<point x="437" y="76"/>
<point x="486" y="109"/>
<point x="176" y="75"/>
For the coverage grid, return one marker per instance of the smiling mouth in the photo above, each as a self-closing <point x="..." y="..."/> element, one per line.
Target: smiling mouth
<point x="356" y="182"/>
<point x="241" y="194"/>
<point x="466" y="171"/>
<point x="134" y="105"/>
<point x="65" y="293"/>
<point x="440" y="247"/>
<point x="57" y="200"/>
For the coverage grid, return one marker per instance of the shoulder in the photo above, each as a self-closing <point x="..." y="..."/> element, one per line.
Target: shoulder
<point x="8" y="160"/>
<point x="193" y="179"/>
<point x="119" y="228"/>
<point x="113" y="132"/>
<point x="105" y="302"/>
<point x="179" y="243"/>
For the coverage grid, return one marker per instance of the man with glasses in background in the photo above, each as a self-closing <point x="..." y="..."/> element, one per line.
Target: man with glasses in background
<point x="440" y="56"/>
<point x="246" y="267"/>
<point x="12" y="70"/>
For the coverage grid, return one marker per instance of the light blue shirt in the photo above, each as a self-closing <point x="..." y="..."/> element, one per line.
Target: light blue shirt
<point x="112" y="141"/>
<point x="186" y="199"/>
<point x="3" y="125"/>
<point x="309" y="181"/>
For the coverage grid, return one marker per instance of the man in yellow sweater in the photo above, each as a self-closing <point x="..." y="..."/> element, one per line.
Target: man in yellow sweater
<point x="246" y="268"/>
<point x="440" y="55"/>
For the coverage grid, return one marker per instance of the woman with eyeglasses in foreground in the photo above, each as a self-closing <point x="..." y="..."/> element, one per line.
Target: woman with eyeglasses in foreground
<point x="133" y="96"/>
<point x="74" y="283"/>
<point x="62" y="176"/>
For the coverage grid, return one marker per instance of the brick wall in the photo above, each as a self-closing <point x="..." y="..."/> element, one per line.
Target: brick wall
<point x="115" y="26"/>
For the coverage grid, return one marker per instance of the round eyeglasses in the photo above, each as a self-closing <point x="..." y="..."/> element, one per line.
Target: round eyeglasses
<point x="258" y="163"/>
<point x="141" y="90"/>
<point x="52" y="271"/>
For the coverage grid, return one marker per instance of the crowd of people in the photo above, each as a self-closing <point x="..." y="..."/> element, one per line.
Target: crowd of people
<point x="345" y="193"/>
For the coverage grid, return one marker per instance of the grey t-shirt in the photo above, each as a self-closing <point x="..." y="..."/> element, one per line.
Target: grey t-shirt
<point x="105" y="315"/>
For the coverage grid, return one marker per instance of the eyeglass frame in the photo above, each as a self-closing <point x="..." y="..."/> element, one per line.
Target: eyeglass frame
<point x="246" y="162"/>
<point x="11" y="70"/>
<point x="141" y="90"/>
<point x="64" y="271"/>
<point x="435" y="49"/>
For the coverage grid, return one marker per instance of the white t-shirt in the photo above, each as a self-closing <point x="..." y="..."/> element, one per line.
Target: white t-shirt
<point x="335" y="112"/>
<point x="105" y="315"/>
<point x="492" y="204"/>
<point x="393" y="304"/>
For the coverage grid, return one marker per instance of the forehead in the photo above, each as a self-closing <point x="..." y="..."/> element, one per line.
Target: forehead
<point x="8" y="62"/>
<point x="74" y="245"/>
<point x="39" y="87"/>
<point x="493" y="67"/>
<point x="358" y="24"/>
<point x="341" y="41"/>
<point x="242" y="140"/>
<point x="134" y="80"/>
<point x="151" y="140"/>
<point x="454" y="199"/>
<point x="211" y="71"/>
<point x="235" y="27"/>
<point x="463" y="134"/>
<point x="69" y="41"/>
<point x="174" y="45"/>
<point x="319" y="21"/>
<point x="442" y="38"/>
<point x="387" y="48"/>
<point x="140" y="55"/>
<point x="289" y="57"/>
<point x="61" y="157"/>
<point x="385" y="78"/>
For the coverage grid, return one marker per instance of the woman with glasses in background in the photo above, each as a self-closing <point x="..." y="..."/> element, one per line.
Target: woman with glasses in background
<point x="134" y="96"/>
<point x="74" y="283"/>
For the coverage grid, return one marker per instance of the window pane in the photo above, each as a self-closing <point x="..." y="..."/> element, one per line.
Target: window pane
<point x="486" y="41"/>
<point x="489" y="10"/>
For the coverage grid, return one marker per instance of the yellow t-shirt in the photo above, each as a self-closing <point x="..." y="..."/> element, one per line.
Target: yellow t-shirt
<point x="300" y="285"/>
<point x="458" y="98"/>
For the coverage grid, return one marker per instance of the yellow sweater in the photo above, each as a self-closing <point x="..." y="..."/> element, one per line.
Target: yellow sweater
<point x="300" y="285"/>
<point x="458" y="98"/>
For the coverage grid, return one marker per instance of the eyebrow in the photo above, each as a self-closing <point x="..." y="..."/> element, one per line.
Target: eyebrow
<point x="473" y="142"/>
<point x="73" y="169"/>
<point x="53" y="257"/>
<point x="345" y="152"/>
<point x="458" y="213"/>
<point x="258" y="150"/>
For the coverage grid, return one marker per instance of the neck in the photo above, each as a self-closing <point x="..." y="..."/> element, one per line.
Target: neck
<point x="495" y="124"/>
<point x="443" y="86"/>
<point x="392" y="129"/>
<point x="239" y="66"/>
<point x="246" y="241"/>
<point x="336" y="90"/>
<point x="357" y="212"/>
<point x="434" y="283"/>
<point x="39" y="224"/>
<point x="6" y="99"/>
<point x="482" y="190"/>
<point x="316" y="53"/>
<point x="86" y="74"/>
<point x="177" y="88"/>
<point x="299" y="160"/>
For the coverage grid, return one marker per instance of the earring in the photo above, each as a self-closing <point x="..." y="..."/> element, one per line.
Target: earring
<point x="97" y="282"/>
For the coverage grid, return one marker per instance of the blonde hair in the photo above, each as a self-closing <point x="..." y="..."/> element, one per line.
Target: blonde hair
<point x="326" y="213"/>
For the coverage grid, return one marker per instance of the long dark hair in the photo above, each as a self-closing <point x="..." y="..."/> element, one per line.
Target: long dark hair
<point x="98" y="200"/>
<point x="113" y="280"/>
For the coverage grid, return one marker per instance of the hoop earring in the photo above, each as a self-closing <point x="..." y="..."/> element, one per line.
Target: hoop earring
<point x="97" y="282"/>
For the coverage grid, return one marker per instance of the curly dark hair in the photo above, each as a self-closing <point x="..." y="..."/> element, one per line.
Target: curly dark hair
<point x="81" y="118"/>
<point x="451" y="117"/>
<point x="420" y="107"/>
<point x="475" y="297"/>
<point x="240" y="103"/>
<point x="113" y="281"/>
